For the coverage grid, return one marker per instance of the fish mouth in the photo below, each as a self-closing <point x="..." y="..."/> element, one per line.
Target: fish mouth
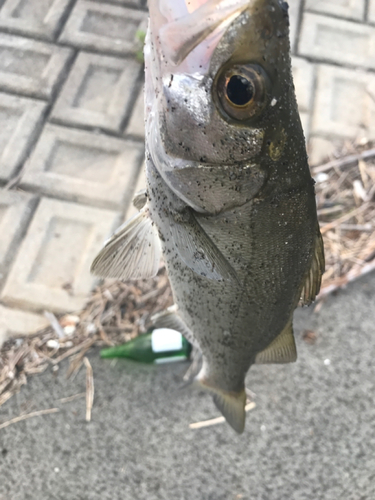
<point x="180" y="26"/>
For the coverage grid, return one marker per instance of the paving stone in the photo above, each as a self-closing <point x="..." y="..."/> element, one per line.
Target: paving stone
<point x="20" y="120"/>
<point x="16" y="323"/>
<point x="303" y="75"/>
<point x="294" y="11"/>
<point x="344" y="42"/>
<point x="351" y="9"/>
<point x="136" y="124"/>
<point x="29" y="67"/>
<point x="15" y="213"/>
<point x="97" y="92"/>
<point x="371" y="11"/>
<point x="320" y="149"/>
<point x="138" y="184"/>
<point x="343" y="106"/>
<point x="51" y="271"/>
<point x="103" y="27"/>
<point x="41" y="18"/>
<point x="370" y="89"/>
<point x="83" y="166"/>
<point x="305" y="121"/>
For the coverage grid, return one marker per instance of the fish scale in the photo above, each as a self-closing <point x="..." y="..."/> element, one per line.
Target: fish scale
<point x="230" y="202"/>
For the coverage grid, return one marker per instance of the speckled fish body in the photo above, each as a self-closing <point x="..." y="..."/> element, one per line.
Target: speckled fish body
<point x="244" y="183"/>
<point x="229" y="190"/>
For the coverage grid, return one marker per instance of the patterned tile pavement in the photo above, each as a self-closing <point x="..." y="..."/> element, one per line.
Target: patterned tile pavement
<point x="71" y="130"/>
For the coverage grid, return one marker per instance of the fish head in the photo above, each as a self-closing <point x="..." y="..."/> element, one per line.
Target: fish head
<point x="219" y="90"/>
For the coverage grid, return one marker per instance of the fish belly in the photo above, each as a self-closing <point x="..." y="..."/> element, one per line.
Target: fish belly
<point x="269" y="244"/>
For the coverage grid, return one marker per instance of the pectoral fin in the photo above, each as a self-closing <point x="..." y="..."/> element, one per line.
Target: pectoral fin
<point x="171" y="319"/>
<point x="281" y="350"/>
<point x="140" y="199"/>
<point x="314" y="277"/>
<point x="133" y="252"/>
<point x="198" y="251"/>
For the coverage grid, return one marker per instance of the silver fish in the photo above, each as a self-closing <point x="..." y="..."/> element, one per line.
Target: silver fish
<point x="230" y="202"/>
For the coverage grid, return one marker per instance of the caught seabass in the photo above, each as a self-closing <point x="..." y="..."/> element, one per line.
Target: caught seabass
<point x="230" y="202"/>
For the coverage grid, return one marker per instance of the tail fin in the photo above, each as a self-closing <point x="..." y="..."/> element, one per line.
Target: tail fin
<point x="231" y="405"/>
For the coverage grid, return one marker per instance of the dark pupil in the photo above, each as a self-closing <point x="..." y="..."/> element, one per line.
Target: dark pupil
<point x="239" y="90"/>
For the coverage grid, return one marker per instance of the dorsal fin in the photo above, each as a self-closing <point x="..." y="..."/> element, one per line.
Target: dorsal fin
<point x="281" y="350"/>
<point x="314" y="277"/>
<point x="133" y="252"/>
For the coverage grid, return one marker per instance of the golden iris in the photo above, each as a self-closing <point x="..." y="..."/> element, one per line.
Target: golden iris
<point x="242" y="91"/>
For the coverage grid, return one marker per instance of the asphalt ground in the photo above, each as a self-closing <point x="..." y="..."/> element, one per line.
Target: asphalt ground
<point x="310" y="437"/>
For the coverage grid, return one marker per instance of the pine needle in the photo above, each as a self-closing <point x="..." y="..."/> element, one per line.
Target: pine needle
<point x="28" y="415"/>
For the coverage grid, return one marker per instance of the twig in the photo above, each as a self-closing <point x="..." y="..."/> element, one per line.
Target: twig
<point x="28" y="415"/>
<point x="89" y="389"/>
<point x="37" y="369"/>
<point x="330" y="210"/>
<point x="72" y="398"/>
<point x="21" y="353"/>
<point x="6" y="395"/>
<point x="349" y="215"/>
<point x="218" y="420"/>
<point x="75" y="364"/>
<point x="348" y="161"/>
<point x="357" y="227"/>
<point x="87" y="343"/>
<point x="352" y="275"/>
<point x="55" y="324"/>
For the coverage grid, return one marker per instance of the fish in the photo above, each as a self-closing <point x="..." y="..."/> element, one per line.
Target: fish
<point x="230" y="202"/>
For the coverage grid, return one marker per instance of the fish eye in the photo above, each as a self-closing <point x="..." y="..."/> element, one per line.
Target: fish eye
<point x="242" y="91"/>
<point x="239" y="90"/>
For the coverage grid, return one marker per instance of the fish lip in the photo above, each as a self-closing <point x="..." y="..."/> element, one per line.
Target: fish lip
<point x="179" y="35"/>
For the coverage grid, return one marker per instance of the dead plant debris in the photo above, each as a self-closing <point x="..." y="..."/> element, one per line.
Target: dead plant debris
<point x="309" y="336"/>
<point x="89" y="388"/>
<point x="345" y="192"/>
<point x="117" y="312"/>
<point x="28" y="415"/>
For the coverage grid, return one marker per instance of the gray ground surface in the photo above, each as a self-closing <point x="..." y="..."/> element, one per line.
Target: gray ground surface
<point x="311" y="436"/>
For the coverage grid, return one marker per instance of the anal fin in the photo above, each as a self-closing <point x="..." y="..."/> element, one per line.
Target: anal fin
<point x="133" y="252"/>
<point x="281" y="350"/>
<point x="314" y="277"/>
<point x="171" y="319"/>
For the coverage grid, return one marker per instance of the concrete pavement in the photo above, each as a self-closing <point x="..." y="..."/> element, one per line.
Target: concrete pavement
<point x="69" y="80"/>
<point x="311" y="435"/>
